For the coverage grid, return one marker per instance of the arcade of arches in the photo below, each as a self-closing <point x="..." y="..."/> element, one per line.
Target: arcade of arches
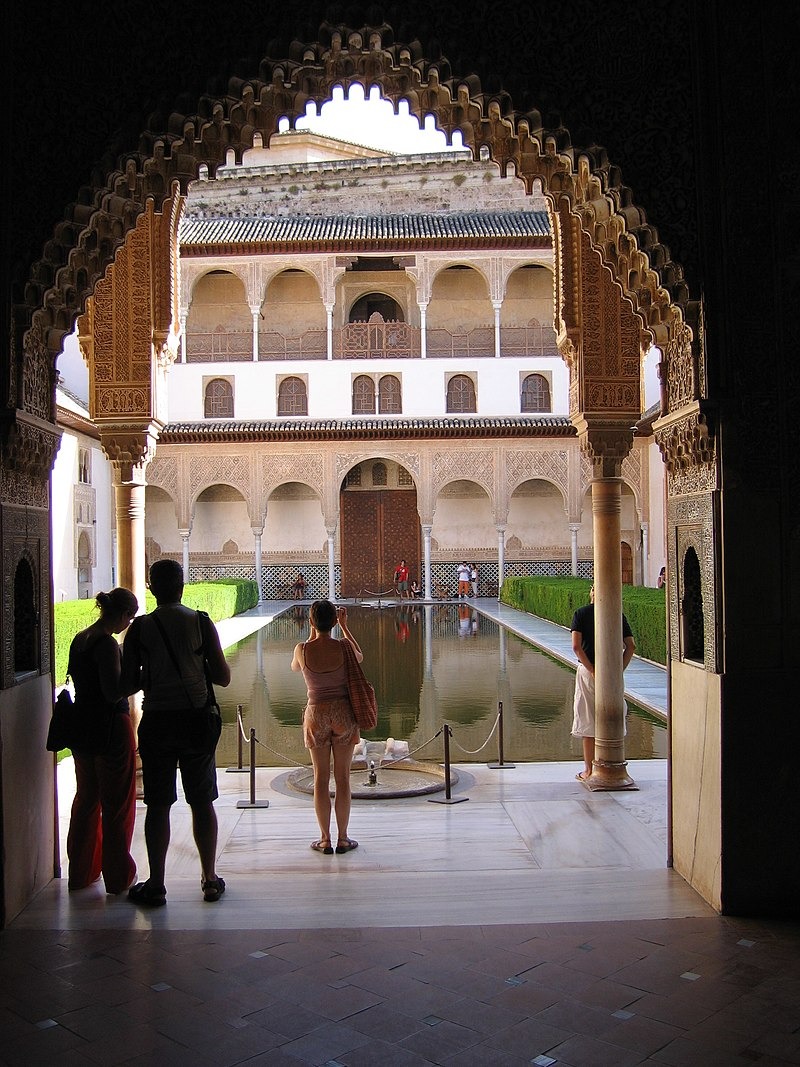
<point x="114" y="267"/>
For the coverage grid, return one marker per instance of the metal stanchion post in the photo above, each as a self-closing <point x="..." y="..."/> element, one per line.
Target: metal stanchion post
<point x="253" y="803"/>
<point x="500" y="765"/>
<point x="447" y="798"/>
<point x="239" y="769"/>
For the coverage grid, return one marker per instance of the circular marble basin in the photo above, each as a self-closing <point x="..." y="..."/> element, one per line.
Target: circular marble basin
<point x="403" y="778"/>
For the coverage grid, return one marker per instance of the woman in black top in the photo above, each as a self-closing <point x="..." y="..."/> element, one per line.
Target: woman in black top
<point x="104" y="808"/>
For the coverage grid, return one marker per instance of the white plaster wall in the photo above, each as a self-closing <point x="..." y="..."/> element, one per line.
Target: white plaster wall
<point x="696" y="778"/>
<point x="329" y="386"/>
<point x="28" y="795"/>
<point x="464" y="520"/>
<point x="536" y="516"/>
<point x="294" y="525"/>
<point x="651" y="385"/>
<point x="658" y="549"/>
<point x="220" y="515"/>
<point x="162" y="522"/>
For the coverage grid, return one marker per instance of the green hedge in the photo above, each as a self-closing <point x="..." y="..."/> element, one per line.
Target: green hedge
<point x="556" y="599"/>
<point x="221" y="599"/>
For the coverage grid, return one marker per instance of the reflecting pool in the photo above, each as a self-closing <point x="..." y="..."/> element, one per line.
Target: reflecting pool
<point x="430" y="664"/>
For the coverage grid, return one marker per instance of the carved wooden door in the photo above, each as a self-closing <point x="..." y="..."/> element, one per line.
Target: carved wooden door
<point x="378" y="529"/>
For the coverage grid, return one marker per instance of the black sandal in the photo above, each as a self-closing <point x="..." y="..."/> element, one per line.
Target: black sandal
<point x="346" y="846"/>
<point x="323" y="846"/>
<point x="152" y="896"/>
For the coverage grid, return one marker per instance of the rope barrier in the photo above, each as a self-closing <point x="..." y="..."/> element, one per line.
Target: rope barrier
<point x="475" y="751"/>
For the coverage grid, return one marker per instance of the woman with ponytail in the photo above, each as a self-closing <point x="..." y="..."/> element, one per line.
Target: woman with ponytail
<point x="104" y="808"/>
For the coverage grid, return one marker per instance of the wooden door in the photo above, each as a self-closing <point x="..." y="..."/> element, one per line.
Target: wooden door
<point x="379" y="528"/>
<point x="627" y="563"/>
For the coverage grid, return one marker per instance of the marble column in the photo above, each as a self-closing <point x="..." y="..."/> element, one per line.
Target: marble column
<point x="497" y="305"/>
<point x="501" y="557"/>
<point x="329" y="329"/>
<point x="183" y="319"/>
<point x="609" y="771"/>
<point x="574" y="527"/>
<point x="423" y="330"/>
<point x="257" y="553"/>
<point x="255" y="312"/>
<point x="131" y="564"/>
<point x="185" y="550"/>
<point x="645" y="551"/>
<point x="332" y="563"/>
<point x="427" y="585"/>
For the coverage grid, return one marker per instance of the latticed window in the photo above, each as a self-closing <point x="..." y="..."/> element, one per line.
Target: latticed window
<point x="535" y="393"/>
<point x="354" y="475"/>
<point x="292" y="397"/>
<point x="363" y="395"/>
<point x="461" y="395"/>
<point x="692" y="623"/>
<point x="219" y="399"/>
<point x="390" y="396"/>
<point x="379" y="474"/>
<point x="403" y="477"/>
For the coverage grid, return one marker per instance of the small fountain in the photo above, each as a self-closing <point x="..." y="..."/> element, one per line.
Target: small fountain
<point x="391" y="773"/>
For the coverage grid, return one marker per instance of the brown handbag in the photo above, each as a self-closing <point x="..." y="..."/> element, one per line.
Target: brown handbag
<point x="362" y="695"/>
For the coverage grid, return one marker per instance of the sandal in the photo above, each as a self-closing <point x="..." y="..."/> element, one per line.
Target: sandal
<point x="213" y="889"/>
<point x="346" y="846"/>
<point x="323" y="846"/>
<point x="152" y="896"/>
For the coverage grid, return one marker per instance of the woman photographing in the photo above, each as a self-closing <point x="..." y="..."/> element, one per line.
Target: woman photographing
<point x="329" y="725"/>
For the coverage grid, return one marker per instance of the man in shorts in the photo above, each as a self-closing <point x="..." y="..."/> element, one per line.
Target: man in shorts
<point x="401" y="580"/>
<point x="583" y="707"/>
<point x="172" y="654"/>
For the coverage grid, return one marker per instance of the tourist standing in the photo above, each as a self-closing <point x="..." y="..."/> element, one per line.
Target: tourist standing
<point x="104" y="807"/>
<point x="172" y="654"/>
<point x="473" y="579"/>
<point x="401" y="580"/>
<point x="463" y="579"/>
<point x="329" y="725"/>
<point x="583" y="724"/>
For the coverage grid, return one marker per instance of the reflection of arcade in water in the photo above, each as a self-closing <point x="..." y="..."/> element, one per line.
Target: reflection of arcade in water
<point x="430" y="664"/>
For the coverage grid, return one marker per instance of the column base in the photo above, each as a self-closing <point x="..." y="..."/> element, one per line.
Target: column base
<point x="609" y="776"/>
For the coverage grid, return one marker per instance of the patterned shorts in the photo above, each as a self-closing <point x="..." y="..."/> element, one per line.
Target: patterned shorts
<point x="330" y="722"/>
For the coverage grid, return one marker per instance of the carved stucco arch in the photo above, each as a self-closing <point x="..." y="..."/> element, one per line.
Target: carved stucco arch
<point x="583" y="189"/>
<point x="560" y="489"/>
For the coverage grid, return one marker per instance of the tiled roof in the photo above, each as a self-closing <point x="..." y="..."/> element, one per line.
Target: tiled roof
<point x="359" y="429"/>
<point x="462" y="228"/>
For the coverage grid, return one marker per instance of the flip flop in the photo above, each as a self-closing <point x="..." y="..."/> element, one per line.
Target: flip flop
<point x="346" y="846"/>
<point x="320" y="846"/>
<point x="581" y="777"/>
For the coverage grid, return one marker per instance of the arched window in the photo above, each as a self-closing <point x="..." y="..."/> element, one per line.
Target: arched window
<point x="25" y="655"/>
<point x="379" y="474"/>
<point x="692" y="627"/>
<point x="535" y="394"/>
<point x="390" y="395"/>
<point x="219" y="399"/>
<point x="461" y="395"/>
<point x="363" y="395"/>
<point x="292" y="397"/>
<point x="371" y="303"/>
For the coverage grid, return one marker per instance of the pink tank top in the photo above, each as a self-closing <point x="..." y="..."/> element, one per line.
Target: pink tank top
<point x="325" y="685"/>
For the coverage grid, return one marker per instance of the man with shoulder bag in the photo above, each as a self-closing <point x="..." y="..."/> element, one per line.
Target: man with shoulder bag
<point x="173" y="655"/>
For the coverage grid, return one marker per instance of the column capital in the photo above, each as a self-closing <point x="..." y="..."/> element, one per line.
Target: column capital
<point x="606" y="445"/>
<point x="129" y="447"/>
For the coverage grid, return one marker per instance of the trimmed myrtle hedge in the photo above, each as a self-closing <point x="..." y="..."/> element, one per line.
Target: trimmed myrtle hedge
<point x="221" y="599"/>
<point x="557" y="599"/>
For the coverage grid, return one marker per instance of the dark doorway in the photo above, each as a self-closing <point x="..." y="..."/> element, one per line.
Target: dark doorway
<point x="379" y="528"/>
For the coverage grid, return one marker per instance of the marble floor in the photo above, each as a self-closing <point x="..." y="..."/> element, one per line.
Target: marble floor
<point x="528" y="922"/>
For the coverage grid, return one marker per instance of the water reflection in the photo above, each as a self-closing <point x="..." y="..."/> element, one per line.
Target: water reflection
<point x="429" y="664"/>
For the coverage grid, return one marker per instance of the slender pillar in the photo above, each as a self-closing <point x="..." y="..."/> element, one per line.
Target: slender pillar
<point x="423" y="331"/>
<point x="256" y="312"/>
<point x="497" y="305"/>
<point x="257" y="554"/>
<point x="609" y="770"/>
<point x="131" y="570"/>
<point x="426" y="562"/>
<point x="332" y="563"/>
<point x="329" y="328"/>
<point x="185" y="546"/>
<point x="501" y="557"/>
<point x="183" y="319"/>
<point x="574" y="527"/>
<point x="645" y="550"/>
